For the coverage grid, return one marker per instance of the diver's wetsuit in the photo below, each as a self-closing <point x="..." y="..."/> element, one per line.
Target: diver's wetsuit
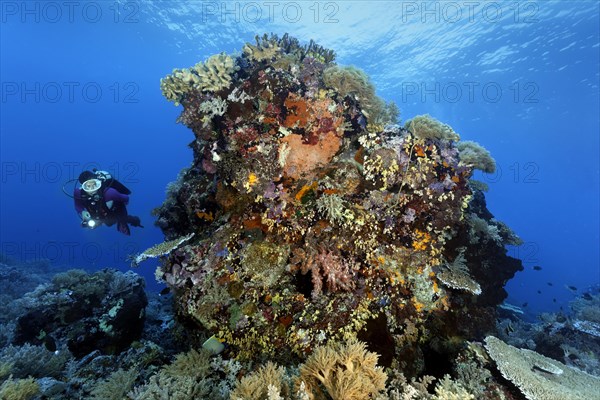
<point x="109" y="209"/>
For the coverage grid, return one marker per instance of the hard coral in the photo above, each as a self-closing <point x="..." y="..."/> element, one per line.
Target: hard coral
<point x="539" y="377"/>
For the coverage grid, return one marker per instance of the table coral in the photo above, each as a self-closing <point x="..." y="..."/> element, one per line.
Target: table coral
<point x="539" y="377"/>
<point x="326" y="221"/>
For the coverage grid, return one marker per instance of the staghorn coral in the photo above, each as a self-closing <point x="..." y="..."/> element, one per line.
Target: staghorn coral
<point x="273" y="48"/>
<point x="539" y="377"/>
<point x="264" y="50"/>
<point x="342" y="372"/>
<point x="213" y="107"/>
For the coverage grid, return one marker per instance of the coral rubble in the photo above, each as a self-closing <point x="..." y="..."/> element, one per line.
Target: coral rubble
<point x="316" y="217"/>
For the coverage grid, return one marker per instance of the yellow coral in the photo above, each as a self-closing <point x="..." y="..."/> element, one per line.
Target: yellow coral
<point x="422" y="239"/>
<point x="251" y="181"/>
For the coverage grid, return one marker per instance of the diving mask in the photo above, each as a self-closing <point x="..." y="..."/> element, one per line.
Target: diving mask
<point x="91" y="186"/>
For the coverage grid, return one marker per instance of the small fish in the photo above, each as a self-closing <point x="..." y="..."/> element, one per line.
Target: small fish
<point x="214" y="345"/>
<point x="588" y="296"/>
<point x="554" y="300"/>
<point x="539" y="292"/>
<point x="524" y="304"/>
<point x="165" y="291"/>
<point x="537" y="268"/>
<point x="549" y="283"/>
<point x="572" y="288"/>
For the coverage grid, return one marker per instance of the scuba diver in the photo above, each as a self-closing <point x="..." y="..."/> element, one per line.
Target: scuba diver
<point x="103" y="200"/>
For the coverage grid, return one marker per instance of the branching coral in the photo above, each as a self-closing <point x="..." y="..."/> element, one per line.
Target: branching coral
<point x="192" y="375"/>
<point x="267" y="382"/>
<point x="342" y="372"/>
<point x="264" y="50"/>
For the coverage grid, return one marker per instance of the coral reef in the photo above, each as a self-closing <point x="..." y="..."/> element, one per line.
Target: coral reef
<point x="316" y="219"/>
<point x="34" y="361"/>
<point x="571" y="337"/>
<point x="539" y="377"/>
<point x="83" y="312"/>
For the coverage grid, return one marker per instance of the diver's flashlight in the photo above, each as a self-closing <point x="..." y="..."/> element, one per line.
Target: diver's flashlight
<point x="91" y="223"/>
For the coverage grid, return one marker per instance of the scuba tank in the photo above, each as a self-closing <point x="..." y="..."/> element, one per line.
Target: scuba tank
<point x="108" y="181"/>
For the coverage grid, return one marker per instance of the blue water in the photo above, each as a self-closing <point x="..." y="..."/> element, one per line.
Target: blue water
<point x="80" y="89"/>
